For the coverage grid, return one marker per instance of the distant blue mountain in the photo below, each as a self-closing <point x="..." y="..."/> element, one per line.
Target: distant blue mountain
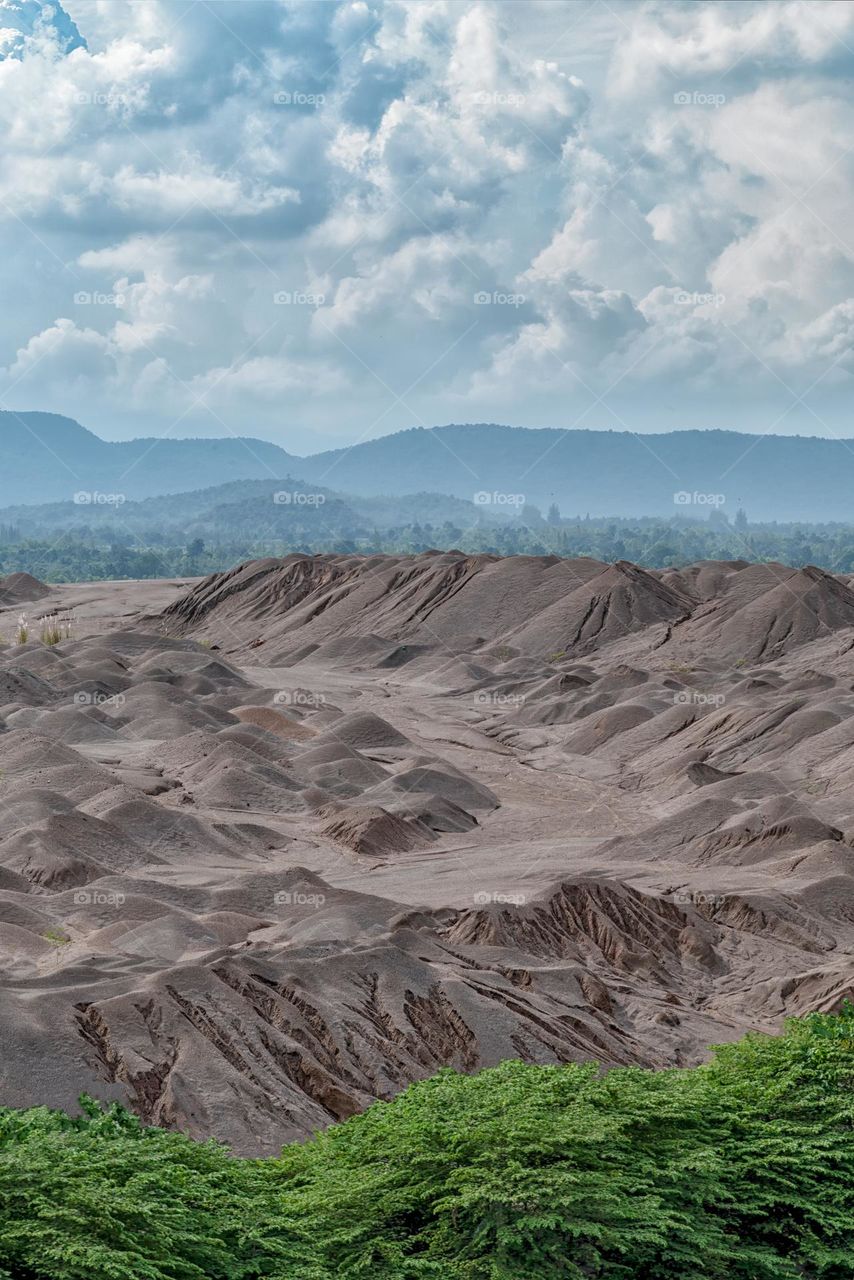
<point x="45" y="457"/>
<point x="786" y="478"/>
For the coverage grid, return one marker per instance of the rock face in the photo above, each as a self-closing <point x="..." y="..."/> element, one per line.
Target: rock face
<point x="417" y="812"/>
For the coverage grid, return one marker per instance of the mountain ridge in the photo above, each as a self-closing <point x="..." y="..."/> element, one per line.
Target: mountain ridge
<point x="601" y="472"/>
<point x="499" y="468"/>
<point x="72" y="461"/>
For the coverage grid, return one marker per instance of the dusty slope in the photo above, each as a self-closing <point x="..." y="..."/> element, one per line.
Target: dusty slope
<point x="533" y="605"/>
<point x="406" y="812"/>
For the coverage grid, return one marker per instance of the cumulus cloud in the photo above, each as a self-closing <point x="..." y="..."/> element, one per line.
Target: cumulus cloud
<point x="316" y="221"/>
<point x="28" y="24"/>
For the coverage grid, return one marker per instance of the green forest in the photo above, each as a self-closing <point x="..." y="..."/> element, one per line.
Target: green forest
<point x="85" y="554"/>
<point x="742" y="1168"/>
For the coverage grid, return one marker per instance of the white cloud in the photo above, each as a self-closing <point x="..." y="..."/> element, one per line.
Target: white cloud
<point x="707" y="41"/>
<point x="402" y="159"/>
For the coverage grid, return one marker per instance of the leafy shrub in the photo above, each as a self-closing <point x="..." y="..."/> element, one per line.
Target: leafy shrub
<point x="100" y="1197"/>
<point x="742" y="1168"/>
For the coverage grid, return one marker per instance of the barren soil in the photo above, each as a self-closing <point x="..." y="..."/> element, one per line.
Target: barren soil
<point x="275" y="844"/>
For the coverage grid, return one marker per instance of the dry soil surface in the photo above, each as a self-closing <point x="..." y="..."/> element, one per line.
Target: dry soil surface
<point x="277" y="843"/>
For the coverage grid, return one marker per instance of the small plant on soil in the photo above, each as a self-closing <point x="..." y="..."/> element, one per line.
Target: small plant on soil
<point x="55" y="627"/>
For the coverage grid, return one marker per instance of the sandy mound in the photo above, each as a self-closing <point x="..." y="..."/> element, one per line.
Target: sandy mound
<point x="25" y="806"/>
<point x="269" y="746"/>
<point x="274" y="721"/>
<point x="443" y="783"/>
<point x="158" y="710"/>
<point x="400" y="611"/>
<point x="165" y="832"/>
<point x="453" y="809"/>
<point x="47" y="852"/>
<point x="363" y="731"/>
<point x="233" y="777"/>
<point x="375" y="832"/>
<point x="21" y="588"/>
<point x="73" y="725"/>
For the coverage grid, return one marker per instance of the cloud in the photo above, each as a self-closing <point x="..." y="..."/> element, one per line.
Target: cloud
<point x="503" y="214"/>
<point x="710" y="42"/>
<point x="30" y="24"/>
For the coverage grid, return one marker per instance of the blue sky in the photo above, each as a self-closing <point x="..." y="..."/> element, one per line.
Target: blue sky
<point x="321" y="222"/>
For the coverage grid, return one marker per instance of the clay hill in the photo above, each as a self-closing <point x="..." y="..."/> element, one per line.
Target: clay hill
<point x="276" y="843"/>
<point x="21" y="588"/>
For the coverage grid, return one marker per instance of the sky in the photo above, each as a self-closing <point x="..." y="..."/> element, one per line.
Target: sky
<point x="321" y="222"/>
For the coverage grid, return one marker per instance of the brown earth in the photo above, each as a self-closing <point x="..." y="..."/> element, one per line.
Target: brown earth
<point x="275" y="844"/>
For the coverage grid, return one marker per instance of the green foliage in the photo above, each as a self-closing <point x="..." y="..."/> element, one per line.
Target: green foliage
<point x="210" y="530"/>
<point x="742" y="1169"/>
<point x="100" y="1197"/>
<point x="87" y="555"/>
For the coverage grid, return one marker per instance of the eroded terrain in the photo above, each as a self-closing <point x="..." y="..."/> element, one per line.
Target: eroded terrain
<point x="275" y="844"/>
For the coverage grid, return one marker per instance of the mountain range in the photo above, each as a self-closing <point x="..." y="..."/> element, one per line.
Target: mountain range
<point x="252" y="510"/>
<point x="786" y="478"/>
<point x="45" y="457"/>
